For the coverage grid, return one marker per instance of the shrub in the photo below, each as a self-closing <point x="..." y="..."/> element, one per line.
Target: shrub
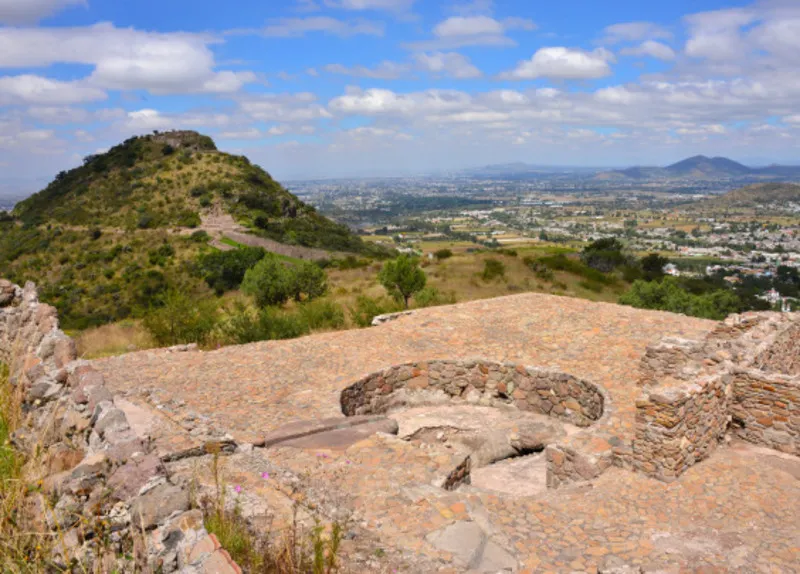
<point x="431" y="297"/>
<point x="181" y="319"/>
<point x="493" y="269"/>
<point x="322" y="314"/>
<point x="604" y="255"/>
<point x="200" y="236"/>
<point x="225" y="270"/>
<point x="308" y="279"/>
<point x="271" y="282"/>
<point x="670" y="295"/>
<point x="246" y="325"/>
<point x="367" y="308"/>
<point x="402" y="278"/>
<point x="443" y="254"/>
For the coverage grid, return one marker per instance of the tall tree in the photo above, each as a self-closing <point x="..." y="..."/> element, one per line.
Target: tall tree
<point x="402" y="277"/>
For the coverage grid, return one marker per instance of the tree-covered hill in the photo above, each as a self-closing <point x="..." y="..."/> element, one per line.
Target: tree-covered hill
<point x="106" y="239"/>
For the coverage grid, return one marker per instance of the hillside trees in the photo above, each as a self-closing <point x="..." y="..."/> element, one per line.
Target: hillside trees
<point x="273" y="282"/>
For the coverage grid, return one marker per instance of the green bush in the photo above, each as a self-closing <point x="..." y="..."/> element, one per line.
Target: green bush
<point x="246" y="325"/>
<point x="443" y="254"/>
<point x="493" y="269"/>
<point x="182" y="319"/>
<point x="322" y="314"/>
<point x="432" y="297"/>
<point x="225" y="270"/>
<point x="604" y="255"/>
<point x="367" y="308"/>
<point x="670" y="295"/>
<point x="272" y="282"/>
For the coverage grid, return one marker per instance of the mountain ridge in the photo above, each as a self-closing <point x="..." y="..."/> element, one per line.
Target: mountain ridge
<point x="704" y="167"/>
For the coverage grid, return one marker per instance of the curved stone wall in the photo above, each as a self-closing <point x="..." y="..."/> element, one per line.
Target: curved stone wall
<point x="480" y="382"/>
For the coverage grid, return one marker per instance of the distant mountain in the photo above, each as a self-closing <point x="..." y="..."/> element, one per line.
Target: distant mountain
<point x="757" y="195"/>
<point x="705" y="168"/>
<point x="702" y="167"/>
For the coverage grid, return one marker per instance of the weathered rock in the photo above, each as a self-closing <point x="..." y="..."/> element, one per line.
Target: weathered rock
<point x="152" y="508"/>
<point x="127" y="480"/>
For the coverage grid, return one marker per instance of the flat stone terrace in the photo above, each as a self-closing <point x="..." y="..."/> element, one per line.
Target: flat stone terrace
<point x="735" y="512"/>
<point x="251" y="389"/>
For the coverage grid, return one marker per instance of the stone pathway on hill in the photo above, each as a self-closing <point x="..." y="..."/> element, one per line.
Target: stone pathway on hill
<point x="736" y="511"/>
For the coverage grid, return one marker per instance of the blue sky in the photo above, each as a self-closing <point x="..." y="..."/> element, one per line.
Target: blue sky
<point x="315" y="88"/>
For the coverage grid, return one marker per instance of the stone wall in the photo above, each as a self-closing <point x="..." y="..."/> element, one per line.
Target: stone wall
<point x="743" y="376"/>
<point x="677" y="426"/>
<point x="783" y="355"/>
<point x="766" y="409"/>
<point x="479" y="382"/>
<point x="101" y="481"/>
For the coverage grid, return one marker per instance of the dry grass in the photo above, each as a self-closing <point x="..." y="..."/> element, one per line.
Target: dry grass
<point x="114" y="339"/>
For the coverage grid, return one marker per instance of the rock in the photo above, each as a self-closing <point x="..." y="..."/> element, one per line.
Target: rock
<point x="8" y="293"/>
<point x="107" y="418"/>
<point x="464" y="540"/>
<point x="128" y="479"/>
<point x="496" y="559"/>
<point x="73" y="422"/>
<point x="61" y="458"/>
<point x="44" y="391"/>
<point x="152" y="508"/>
<point x="615" y="565"/>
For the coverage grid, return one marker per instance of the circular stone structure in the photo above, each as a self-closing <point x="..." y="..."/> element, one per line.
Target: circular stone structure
<point x="478" y="382"/>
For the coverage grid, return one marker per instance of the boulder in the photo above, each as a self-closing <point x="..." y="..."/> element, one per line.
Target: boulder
<point x="152" y="508"/>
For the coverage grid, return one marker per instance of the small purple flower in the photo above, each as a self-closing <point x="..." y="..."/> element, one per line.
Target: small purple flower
<point x="347" y="461"/>
<point x="237" y="488"/>
<point x="265" y="475"/>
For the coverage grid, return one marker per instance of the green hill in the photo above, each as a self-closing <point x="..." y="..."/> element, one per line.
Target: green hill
<point x="103" y="240"/>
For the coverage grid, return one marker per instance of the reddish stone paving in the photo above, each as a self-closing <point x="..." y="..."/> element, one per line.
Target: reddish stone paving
<point x="252" y="389"/>
<point x="736" y="512"/>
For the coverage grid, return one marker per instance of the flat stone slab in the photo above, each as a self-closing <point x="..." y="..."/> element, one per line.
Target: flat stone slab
<point x="342" y="431"/>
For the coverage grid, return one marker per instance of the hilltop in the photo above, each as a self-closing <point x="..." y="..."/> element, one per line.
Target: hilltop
<point x="704" y="168"/>
<point x="106" y="239"/>
<point x="173" y="179"/>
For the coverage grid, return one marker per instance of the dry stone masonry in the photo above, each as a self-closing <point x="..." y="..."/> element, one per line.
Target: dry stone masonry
<point x="483" y="383"/>
<point x="101" y="479"/>
<point x="744" y="375"/>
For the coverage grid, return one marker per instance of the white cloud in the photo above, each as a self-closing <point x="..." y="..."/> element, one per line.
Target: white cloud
<point x="474" y="30"/>
<point x="298" y="27"/>
<point x="563" y="63"/>
<point x="29" y="89"/>
<point x="16" y="12"/>
<point x="123" y="58"/>
<point x="300" y="107"/>
<point x="652" y="49"/>
<point x="386" y="102"/>
<point x="459" y="26"/>
<point x="450" y="64"/>
<point x="149" y="119"/>
<point x="392" y="5"/>
<point x="634" y="31"/>
<point x="717" y="35"/>
<point x="384" y="71"/>
<point x="248" y="134"/>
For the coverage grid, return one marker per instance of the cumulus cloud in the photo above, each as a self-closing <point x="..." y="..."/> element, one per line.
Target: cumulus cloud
<point x="563" y="63"/>
<point x="391" y="5"/>
<point x="652" y="49"/>
<point x="286" y="108"/>
<point x="717" y="35"/>
<point x="29" y="89"/>
<point x="298" y="27"/>
<point x="451" y="64"/>
<point x="475" y="30"/>
<point x="384" y="71"/>
<point x="16" y="12"/>
<point x="634" y="31"/>
<point x="123" y="58"/>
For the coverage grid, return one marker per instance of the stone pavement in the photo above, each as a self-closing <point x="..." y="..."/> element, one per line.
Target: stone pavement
<point x="735" y="512"/>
